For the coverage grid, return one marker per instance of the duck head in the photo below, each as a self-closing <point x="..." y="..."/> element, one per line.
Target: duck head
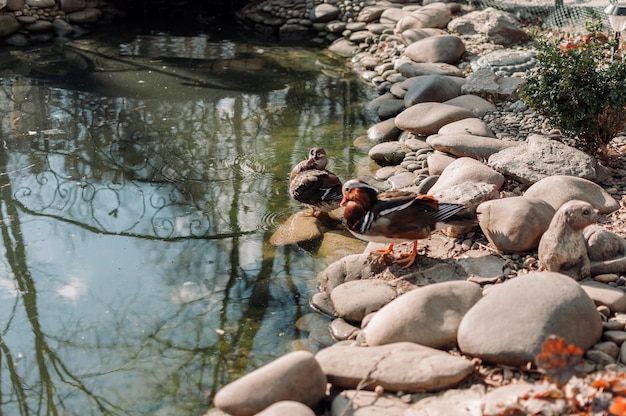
<point x="358" y="192"/>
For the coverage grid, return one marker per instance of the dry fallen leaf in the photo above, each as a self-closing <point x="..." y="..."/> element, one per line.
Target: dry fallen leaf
<point x="558" y="360"/>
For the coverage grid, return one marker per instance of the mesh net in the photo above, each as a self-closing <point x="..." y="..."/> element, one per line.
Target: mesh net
<point x="550" y="14"/>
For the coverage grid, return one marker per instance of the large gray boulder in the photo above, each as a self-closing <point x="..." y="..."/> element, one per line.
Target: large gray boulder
<point x="512" y="321"/>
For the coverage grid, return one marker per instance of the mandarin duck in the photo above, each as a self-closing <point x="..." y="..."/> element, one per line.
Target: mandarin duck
<point x="311" y="184"/>
<point x="395" y="216"/>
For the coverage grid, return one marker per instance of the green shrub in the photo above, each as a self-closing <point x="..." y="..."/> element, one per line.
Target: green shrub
<point x="580" y="88"/>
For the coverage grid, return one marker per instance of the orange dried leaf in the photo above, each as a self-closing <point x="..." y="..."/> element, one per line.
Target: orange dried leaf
<point x="548" y="394"/>
<point x="558" y="360"/>
<point x="601" y="384"/>
<point x="618" y="407"/>
<point x="618" y="386"/>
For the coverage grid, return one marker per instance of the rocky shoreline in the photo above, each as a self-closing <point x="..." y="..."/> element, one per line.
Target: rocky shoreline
<point x="462" y="330"/>
<point x="23" y="22"/>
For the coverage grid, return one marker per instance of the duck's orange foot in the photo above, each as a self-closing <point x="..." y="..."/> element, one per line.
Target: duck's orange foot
<point x="407" y="259"/>
<point x="384" y="251"/>
<point x="381" y="256"/>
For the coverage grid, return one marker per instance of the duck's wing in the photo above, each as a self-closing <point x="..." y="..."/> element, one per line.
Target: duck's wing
<point x="315" y="187"/>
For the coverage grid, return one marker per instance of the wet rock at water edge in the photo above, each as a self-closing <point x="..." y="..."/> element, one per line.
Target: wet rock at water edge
<point x="355" y="299"/>
<point x="295" y="376"/>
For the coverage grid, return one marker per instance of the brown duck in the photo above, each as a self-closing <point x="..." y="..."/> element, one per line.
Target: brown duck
<point x="395" y="216"/>
<point x="311" y="184"/>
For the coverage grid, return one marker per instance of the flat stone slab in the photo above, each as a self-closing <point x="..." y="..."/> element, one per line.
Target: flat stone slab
<point x="540" y="157"/>
<point x="402" y="366"/>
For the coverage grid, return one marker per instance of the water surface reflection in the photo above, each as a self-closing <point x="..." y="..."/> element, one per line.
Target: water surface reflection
<point x="138" y="193"/>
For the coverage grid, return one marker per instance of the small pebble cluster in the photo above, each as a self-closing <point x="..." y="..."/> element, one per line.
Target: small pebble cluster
<point x="23" y="22"/>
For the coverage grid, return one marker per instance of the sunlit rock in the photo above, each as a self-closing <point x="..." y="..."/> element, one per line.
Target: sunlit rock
<point x="295" y="376"/>
<point x="458" y="402"/>
<point x="466" y="169"/>
<point x="499" y="26"/>
<point x="558" y="189"/>
<point x="287" y="407"/>
<point x="402" y="366"/>
<point x="540" y="157"/>
<point x="474" y="103"/>
<point x="474" y="126"/>
<point x="353" y="300"/>
<point x="410" y="317"/>
<point x="300" y="227"/>
<point x="367" y="402"/>
<point x="536" y="305"/>
<point x="482" y="264"/>
<point x="337" y="244"/>
<point x="603" y="294"/>
<point x="515" y="224"/>
<point x="445" y="48"/>
<point x="427" y="118"/>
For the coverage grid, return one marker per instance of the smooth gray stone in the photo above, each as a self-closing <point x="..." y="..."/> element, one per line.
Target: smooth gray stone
<point x="512" y="321"/>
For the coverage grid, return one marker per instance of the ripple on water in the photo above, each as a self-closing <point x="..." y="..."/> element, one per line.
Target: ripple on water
<point x="248" y="165"/>
<point x="272" y="220"/>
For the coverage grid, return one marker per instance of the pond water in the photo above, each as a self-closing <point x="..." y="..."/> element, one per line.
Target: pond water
<point x="141" y="177"/>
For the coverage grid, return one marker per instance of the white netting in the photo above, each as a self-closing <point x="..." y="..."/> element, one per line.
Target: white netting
<point x="552" y="14"/>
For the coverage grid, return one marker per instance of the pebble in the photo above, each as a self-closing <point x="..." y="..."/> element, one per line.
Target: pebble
<point x="40" y="20"/>
<point x="603" y="294"/>
<point x="606" y="278"/>
<point x="617" y="336"/>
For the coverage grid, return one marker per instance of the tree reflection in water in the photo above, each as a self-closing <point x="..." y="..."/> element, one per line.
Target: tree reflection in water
<point x="136" y="276"/>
